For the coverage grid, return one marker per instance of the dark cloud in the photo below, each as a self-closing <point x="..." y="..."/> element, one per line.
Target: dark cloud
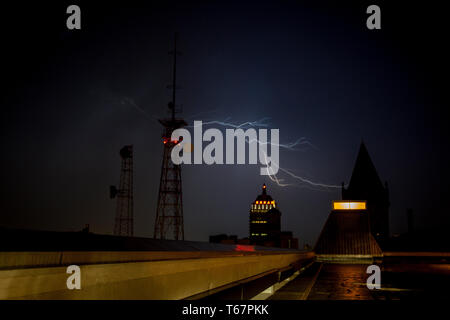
<point x="314" y="69"/>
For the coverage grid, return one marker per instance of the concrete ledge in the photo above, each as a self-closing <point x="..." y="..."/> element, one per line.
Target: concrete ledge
<point x="416" y="254"/>
<point x="172" y="278"/>
<point x="14" y="260"/>
<point x="350" y="258"/>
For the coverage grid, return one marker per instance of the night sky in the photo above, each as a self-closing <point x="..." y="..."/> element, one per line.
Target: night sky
<point x="72" y="99"/>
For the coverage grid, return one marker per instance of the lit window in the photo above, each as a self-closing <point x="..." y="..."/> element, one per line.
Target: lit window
<point x="349" y="205"/>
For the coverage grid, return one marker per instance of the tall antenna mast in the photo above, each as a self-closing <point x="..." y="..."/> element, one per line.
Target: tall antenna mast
<point x="169" y="211"/>
<point x="174" y="77"/>
<point x="173" y="86"/>
<point x="124" y="212"/>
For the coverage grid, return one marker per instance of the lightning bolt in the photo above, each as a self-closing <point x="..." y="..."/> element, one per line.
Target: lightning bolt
<point x="130" y="102"/>
<point x="309" y="182"/>
<point x="261" y="123"/>
<point x="316" y="186"/>
<point x="244" y="125"/>
<point x="289" y="146"/>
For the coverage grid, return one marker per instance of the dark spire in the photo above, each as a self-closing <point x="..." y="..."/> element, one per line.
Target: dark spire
<point x="365" y="184"/>
<point x="264" y="189"/>
<point x="364" y="174"/>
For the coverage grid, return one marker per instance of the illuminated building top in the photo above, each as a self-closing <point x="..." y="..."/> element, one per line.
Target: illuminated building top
<point x="349" y="205"/>
<point x="263" y="202"/>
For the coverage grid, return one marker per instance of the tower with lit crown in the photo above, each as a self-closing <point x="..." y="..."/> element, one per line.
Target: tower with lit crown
<point x="265" y="220"/>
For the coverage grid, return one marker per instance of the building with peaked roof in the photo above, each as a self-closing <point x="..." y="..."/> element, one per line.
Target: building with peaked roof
<point x="346" y="234"/>
<point x="365" y="184"/>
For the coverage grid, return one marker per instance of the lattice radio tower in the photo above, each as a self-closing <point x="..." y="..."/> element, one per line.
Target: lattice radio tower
<point x="124" y="212"/>
<point x="169" y="211"/>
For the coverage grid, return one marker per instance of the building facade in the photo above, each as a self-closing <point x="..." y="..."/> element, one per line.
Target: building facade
<point x="265" y="220"/>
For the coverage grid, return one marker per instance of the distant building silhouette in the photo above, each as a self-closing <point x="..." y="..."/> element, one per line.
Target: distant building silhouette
<point x="287" y="240"/>
<point x="365" y="184"/>
<point x="228" y="239"/>
<point x="223" y="238"/>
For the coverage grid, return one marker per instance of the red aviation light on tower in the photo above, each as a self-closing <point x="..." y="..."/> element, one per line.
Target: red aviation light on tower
<point x="166" y="140"/>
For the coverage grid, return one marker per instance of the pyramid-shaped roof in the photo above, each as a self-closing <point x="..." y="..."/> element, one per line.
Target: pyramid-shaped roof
<point x="347" y="233"/>
<point x="365" y="179"/>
